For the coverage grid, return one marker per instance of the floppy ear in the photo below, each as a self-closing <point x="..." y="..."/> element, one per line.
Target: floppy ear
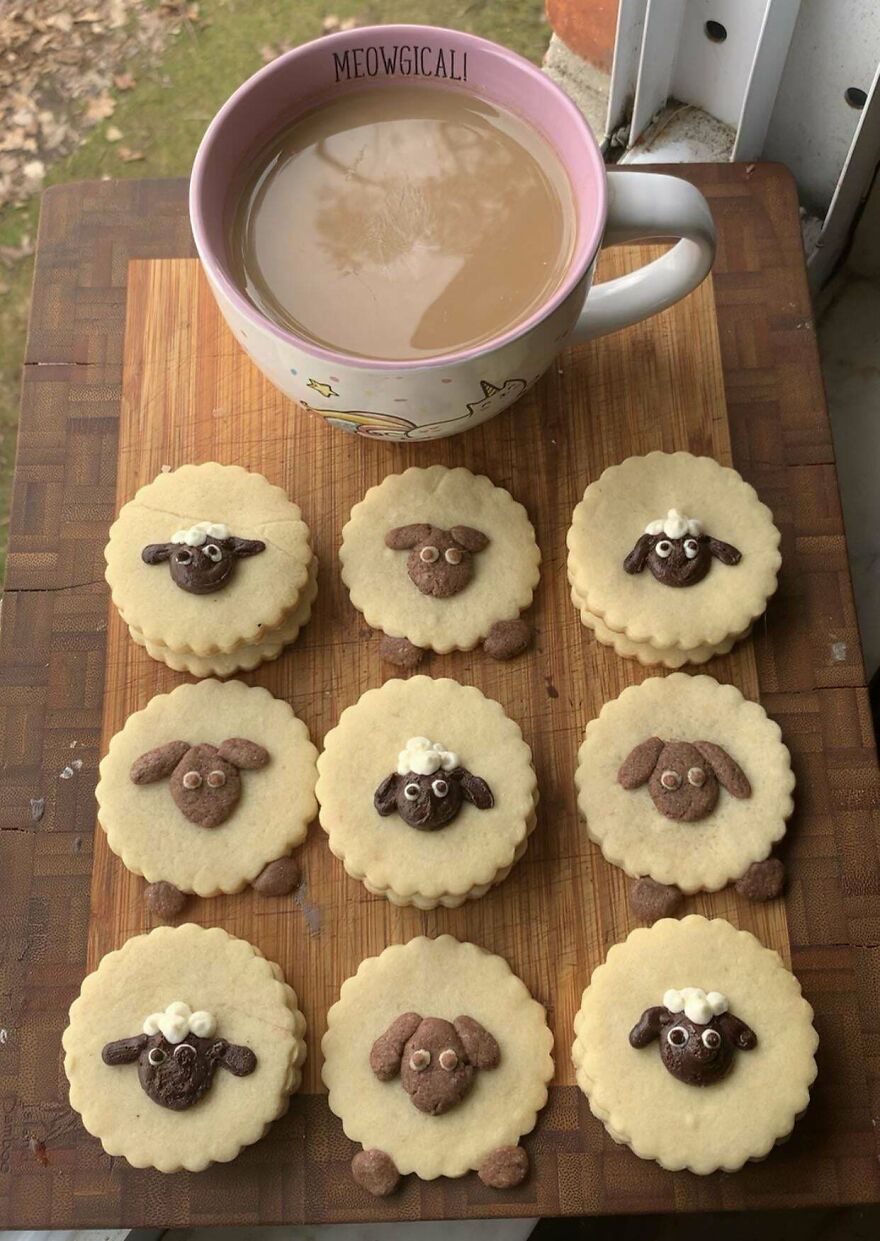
<point x="124" y="1050"/>
<point x="638" y="557"/>
<point x="159" y="763"/>
<point x="649" y="1025"/>
<point x="743" y="1036"/>
<point x="474" y="788"/>
<point x="725" y="552"/>
<point x="403" y="537"/>
<point x="730" y="775"/>
<point x="155" y="553"/>
<point x="245" y="547"/>
<point x="636" y="768"/>
<point x="481" y="1048"/>
<point x="387" y="1051"/>
<point x="239" y="1060"/>
<point x="470" y="539"/>
<point x="246" y="755"/>
<point x="385" y="796"/>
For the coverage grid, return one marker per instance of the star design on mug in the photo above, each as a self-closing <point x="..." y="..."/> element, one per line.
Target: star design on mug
<point x="324" y="389"/>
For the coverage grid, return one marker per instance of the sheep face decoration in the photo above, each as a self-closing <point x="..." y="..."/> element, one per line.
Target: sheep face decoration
<point x="430" y="786"/>
<point x="205" y="779"/>
<point x="677" y="551"/>
<point x="437" y="1059"/>
<point x="202" y="558"/>
<point x="697" y="1034"/>
<point x="441" y="562"/>
<point x="177" y="1055"/>
<point x="683" y="777"/>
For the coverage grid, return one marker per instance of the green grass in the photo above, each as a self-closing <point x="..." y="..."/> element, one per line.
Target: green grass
<point x="166" y="114"/>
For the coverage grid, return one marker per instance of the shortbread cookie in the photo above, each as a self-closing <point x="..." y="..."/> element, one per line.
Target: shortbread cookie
<point x="206" y="558"/>
<point x="684" y="780"/>
<point x="437" y="1060"/>
<point x="442" y="559"/>
<point x="694" y="1045"/>
<point x="646" y="654"/>
<point x="243" y="658"/>
<point x="427" y="791"/>
<point x="673" y="550"/>
<point x="183" y="1046"/>
<point x="207" y="785"/>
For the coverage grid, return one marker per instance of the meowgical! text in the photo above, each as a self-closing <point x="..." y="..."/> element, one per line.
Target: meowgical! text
<point x="405" y="60"/>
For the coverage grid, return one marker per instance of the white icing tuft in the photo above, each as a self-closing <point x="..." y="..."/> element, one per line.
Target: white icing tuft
<point x="675" y="525"/>
<point x="199" y="534"/>
<point x="696" y="1004"/>
<point x="178" y="1020"/>
<point x="424" y="757"/>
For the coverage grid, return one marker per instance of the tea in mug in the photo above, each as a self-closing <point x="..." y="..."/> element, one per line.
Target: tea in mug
<point x="403" y="222"/>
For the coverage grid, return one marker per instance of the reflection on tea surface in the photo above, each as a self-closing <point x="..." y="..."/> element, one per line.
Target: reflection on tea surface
<point x="403" y="222"/>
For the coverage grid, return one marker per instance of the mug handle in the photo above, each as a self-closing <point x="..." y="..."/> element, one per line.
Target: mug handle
<point x="644" y="205"/>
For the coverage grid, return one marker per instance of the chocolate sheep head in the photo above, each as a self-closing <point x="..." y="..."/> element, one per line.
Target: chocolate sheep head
<point x="177" y="1055"/>
<point x="205" y="779"/>
<point x="436" y="1059"/>
<point x="429" y="787"/>
<point x="683" y="777"/>
<point x="697" y="1033"/>
<point x="441" y="562"/>
<point x="201" y="559"/>
<point x="677" y="551"/>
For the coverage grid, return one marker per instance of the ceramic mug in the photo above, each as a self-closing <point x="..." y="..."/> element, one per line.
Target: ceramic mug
<point x="439" y="396"/>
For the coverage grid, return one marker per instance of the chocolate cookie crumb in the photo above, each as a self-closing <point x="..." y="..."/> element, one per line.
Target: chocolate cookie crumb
<point x="763" y="881"/>
<point x="507" y="639"/>
<point x="164" y="900"/>
<point x="504" y="1168"/>
<point x="375" y="1172"/>
<point x="650" y="900"/>
<point x="400" y="652"/>
<point x="278" y="878"/>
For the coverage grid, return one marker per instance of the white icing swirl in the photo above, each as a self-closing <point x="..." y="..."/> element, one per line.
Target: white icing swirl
<point x="696" y="1004"/>
<point x="178" y="1020"/>
<point x="199" y="534"/>
<point x="675" y="525"/>
<point x="424" y="757"/>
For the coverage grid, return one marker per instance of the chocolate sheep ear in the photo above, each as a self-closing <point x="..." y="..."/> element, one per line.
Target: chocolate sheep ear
<point x="245" y="547"/>
<point x="743" y="1036"/>
<point x="246" y="755"/>
<point x="239" y="1060"/>
<point x="481" y="1048"/>
<point x="124" y="1050"/>
<point x="638" y="557"/>
<point x="155" y="553"/>
<point x="470" y="539"/>
<point x="730" y="775"/>
<point x="725" y="552"/>
<point x="649" y="1025"/>
<point x="401" y="538"/>
<point x="159" y="763"/>
<point x="636" y="768"/>
<point x="385" y="796"/>
<point x="387" y="1051"/>
<point x="474" y="788"/>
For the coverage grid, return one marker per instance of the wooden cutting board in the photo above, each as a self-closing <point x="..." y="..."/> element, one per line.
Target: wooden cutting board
<point x="191" y="394"/>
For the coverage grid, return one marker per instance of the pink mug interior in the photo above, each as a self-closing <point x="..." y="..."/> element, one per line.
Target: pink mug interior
<point x="353" y="60"/>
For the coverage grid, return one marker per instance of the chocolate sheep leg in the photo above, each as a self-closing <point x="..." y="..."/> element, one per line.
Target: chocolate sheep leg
<point x="164" y="900"/>
<point x="507" y="639"/>
<point x="277" y="878"/>
<point x="375" y="1172"/>
<point x="504" y="1168"/>
<point x="650" y="900"/>
<point x="400" y="652"/>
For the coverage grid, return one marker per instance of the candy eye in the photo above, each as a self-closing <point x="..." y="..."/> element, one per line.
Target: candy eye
<point x="711" y="1040"/>
<point x="696" y="777"/>
<point x="677" y="1036"/>
<point x="156" y="1056"/>
<point x="448" y="1060"/>
<point x="216" y="779"/>
<point x="452" y="555"/>
<point x="691" y="547"/>
<point x="185" y="1053"/>
<point x="213" y="552"/>
<point x="663" y="548"/>
<point x="192" y="780"/>
<point x="670" y="780"/>
<point x="184" y="556"/>
<point x="440" y="788"/>
<point x="420" y="1060"/>
<point x="429" y="554"/>
<point x="411" y="792"/>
